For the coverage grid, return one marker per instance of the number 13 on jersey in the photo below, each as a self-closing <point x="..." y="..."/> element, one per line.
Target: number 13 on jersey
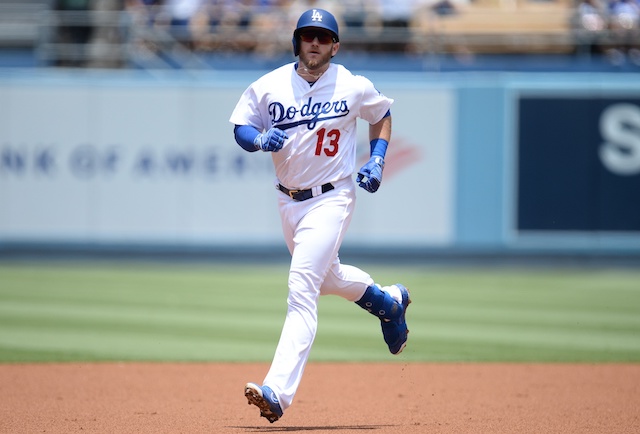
<point x="327" y="142"/>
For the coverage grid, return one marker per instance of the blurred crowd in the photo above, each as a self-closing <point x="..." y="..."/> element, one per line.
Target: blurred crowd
<point x="264" y="27"/>
<point x="610" y="27"/>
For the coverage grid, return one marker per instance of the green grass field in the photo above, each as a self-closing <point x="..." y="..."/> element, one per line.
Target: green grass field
<point x="188" y="312"/>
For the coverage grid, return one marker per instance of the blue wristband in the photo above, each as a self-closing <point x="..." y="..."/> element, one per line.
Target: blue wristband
<point x="378" y="147"/>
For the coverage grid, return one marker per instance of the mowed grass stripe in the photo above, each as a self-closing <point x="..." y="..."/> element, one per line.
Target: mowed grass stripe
<point x="128" y="314"/>
<point x="235" y="313"/>
<point x="129" y="335"/>
<point x="92" y="345"/>
<point x="503" y="315"/>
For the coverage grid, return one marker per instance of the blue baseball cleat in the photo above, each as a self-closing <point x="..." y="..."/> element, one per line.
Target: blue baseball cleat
<point x="265" y="399"/>
<point x="395" y="331"/>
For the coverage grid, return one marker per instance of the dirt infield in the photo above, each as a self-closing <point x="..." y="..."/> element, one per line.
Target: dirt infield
<point x="333" y="398"/>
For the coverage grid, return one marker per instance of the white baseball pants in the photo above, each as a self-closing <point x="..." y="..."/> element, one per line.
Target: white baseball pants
<point x="313" y="230"/>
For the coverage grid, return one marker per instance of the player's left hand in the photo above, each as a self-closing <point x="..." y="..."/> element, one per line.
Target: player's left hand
<point x="370" y="175"/>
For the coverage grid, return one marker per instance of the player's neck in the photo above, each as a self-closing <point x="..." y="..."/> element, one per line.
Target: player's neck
<point x="311" y="75"/>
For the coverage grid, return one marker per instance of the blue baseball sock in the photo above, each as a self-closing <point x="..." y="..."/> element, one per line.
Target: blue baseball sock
<point x="380" y="303"/>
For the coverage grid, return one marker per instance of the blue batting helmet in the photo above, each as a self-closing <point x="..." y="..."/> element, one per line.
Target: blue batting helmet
<point x="315" y="18"/>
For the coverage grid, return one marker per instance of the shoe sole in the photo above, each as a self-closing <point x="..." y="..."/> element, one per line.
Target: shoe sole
<point x="254" y="397"/>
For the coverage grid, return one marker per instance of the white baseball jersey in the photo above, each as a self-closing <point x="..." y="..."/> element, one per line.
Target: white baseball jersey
<point x="320" y="121"/>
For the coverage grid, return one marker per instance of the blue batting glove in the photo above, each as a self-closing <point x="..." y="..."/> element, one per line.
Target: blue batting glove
<point x="270" y="141"/>
<point x="370" y="175"/>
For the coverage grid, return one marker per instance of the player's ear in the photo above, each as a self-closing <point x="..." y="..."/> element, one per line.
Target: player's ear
<point x="335" y="48"/>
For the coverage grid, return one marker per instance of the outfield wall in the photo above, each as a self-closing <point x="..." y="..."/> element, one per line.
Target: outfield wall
<point x="478" y="161"/>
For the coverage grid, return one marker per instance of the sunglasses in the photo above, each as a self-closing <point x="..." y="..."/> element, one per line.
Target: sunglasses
<point x="310" y="35"/>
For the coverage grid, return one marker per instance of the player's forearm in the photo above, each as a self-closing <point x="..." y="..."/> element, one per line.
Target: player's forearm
<point x="379" y="136"/>
<point x="245" y="136"/>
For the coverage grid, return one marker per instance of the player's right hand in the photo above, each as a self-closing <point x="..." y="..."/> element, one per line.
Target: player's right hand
<point x="270" y="141"/>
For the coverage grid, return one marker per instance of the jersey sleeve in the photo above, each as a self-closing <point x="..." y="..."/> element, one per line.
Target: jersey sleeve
<point x="247" y="110"/>
<point x="374" y="104"/>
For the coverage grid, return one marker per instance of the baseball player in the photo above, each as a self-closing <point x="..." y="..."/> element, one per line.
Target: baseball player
<point x="305" y="114"/>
